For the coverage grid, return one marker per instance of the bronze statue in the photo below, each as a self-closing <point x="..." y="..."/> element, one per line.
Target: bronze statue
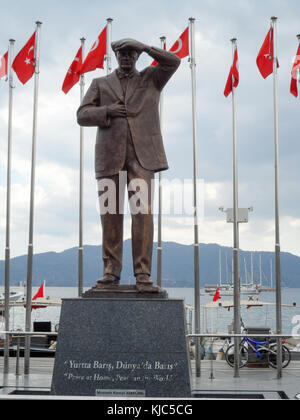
<point x="124" y="107"/>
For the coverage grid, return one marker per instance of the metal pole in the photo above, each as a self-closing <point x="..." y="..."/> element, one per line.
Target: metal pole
<point x="195" y="176"/>
<point x="81" y="161"/>
<point x="236" y="280"/>
<point x="252" y="274"/>
<point x="8" y="203"/>
<point x="298" y="71"/>
<point x="220" y="267"/>
<point x="277" y="237"/>
<point x="108" y="45"/>
<point x="159" y="240"/>
<point x="30" y="242"/>
<point x="18" y="357"/>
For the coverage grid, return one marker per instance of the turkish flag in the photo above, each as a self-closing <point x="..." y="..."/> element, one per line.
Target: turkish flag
<point x="296" y="67"/>
<point x="39" y="293"/>
<point x="233" y="77"/>
<point x="181" y="46"/>
<point x="24" y="62"/>
<point x="3" y="65"/>
<point x="73" y="73"/>
<point x="264" y="59"/>
<point x="95" y="58"/>
<point x="217" y="295"/>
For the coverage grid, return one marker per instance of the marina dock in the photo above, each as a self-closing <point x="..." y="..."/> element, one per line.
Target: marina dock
<point x="216" y="382"/>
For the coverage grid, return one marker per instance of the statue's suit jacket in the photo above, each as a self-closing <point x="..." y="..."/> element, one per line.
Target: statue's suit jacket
<point x="141" y="102"/>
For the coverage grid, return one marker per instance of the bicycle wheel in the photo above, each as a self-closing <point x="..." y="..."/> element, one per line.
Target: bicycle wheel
<point x="286" y="356"/>
<point x="243" y="355"/>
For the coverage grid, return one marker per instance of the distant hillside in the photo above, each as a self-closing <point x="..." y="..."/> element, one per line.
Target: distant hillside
<point x="60" y="269"/>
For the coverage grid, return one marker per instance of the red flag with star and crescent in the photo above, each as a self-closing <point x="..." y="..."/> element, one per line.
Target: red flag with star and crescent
<point x="295" y="70"/>
<point x="264" y="59"/>
<point x="95" y="58"/>
<point x="73" y="73"/>
<point x="24" y="62"/>
<point x="233" y="77"/>
<point x="180" y="47"/>
<point x="3" y="65"/>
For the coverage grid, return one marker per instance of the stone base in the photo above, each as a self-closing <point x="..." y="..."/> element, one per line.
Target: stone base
<point x="122" y="348"/>
<point x="122" y="291"/>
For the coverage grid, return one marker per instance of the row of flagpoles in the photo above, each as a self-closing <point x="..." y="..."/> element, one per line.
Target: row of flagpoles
<point x="267" y="63"/>
<point x="26" y="64"/>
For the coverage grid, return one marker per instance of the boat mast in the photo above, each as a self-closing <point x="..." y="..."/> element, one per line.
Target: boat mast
<point x="246" y="274"/>
<point x="271" y="273"/>
<point x="260" y="273"/>
<point x="252" y="277"/>
<point x="226" y="268"/>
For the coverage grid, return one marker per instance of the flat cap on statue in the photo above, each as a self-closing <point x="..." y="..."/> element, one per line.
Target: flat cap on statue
<point x="126" y="44"/>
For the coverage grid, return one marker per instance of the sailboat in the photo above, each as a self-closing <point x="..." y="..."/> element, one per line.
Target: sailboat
<point x="266" y="288"/>
<point x="227" y="289"/>
<point x="13" y="296"/>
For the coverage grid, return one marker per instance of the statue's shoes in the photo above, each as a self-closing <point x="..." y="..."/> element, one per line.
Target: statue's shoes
<point x="145" y="285"/>
<point x="108" y="280"/>
<point x="143" y="278"/>
<point x="148" y="288"/>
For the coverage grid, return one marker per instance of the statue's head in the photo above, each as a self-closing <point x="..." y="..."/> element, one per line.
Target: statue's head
<point x="126" y="56"/>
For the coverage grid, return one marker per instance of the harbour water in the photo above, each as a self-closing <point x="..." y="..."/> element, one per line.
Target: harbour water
<point x="212" y="319"/>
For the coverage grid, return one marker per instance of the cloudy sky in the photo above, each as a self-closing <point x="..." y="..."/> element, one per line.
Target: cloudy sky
<point x="64" y="22"/>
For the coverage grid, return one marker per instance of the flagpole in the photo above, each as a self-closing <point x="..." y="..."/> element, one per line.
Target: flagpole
<point x="277" y="236"/>
<point x="108" y="46"/>
<point x="236" y="280"/>
<point x="298" y="70"/>
<point x="80" y="245"/>
<point x="195" y="176"/>
<point x="8" y="205"/>
<point x="159" y="227"/>
<point x="31" y="216"/>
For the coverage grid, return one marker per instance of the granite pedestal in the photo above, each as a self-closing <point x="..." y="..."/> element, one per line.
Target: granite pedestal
<point x="122" y="347"/>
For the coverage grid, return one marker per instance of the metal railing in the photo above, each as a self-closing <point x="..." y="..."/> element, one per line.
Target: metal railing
<point x="18" y="335"/>
<point x="278" y="338"/>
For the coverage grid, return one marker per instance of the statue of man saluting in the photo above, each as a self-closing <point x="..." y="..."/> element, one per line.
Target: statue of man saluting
<point x="124" y="107"/>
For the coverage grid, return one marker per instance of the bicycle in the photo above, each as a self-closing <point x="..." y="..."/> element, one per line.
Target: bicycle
<point x="261" y="348"/>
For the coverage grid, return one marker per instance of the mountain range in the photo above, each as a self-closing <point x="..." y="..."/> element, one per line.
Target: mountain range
<point x="60" y="268"/>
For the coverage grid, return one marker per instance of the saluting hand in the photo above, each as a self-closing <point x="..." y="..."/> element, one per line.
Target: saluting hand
<point x="129" y="43"/>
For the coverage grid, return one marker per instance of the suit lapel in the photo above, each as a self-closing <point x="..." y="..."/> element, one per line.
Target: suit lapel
<point x="115" y="85"/>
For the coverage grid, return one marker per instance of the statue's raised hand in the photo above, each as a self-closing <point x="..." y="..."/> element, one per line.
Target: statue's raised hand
<point x="130" y="44"/>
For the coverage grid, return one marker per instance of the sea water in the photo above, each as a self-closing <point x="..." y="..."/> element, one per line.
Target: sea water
<point x="215" y="319"/>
